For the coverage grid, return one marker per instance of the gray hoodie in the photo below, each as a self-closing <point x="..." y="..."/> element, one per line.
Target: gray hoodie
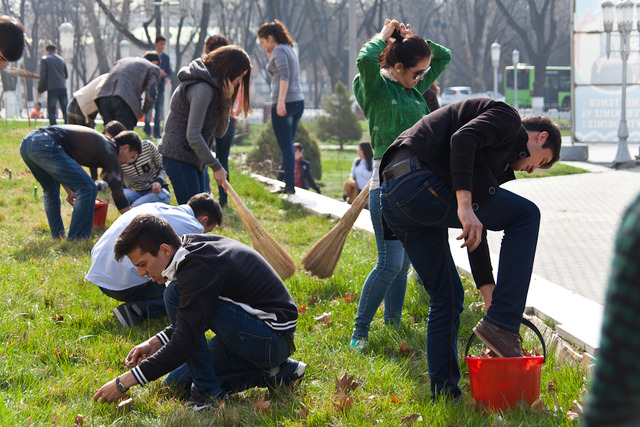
<point x="191" y="125"/>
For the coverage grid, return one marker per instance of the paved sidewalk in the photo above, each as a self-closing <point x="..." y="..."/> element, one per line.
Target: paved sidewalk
<point x="580" y="217"/>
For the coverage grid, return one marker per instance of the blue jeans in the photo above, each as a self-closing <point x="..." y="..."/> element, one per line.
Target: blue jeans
<point x="52" y="166"/>
<point x="158" y="106"/>
<point x="137" y="198"/>
<point x="238" y="357"/>
<point x="285" y="129"/>
<point x="420" y="207"/>
<point x="149" y="297"/>
<point x="223" y="146"/>
<point x="387" y="280"/>
<point x="185" y="178"/>
<point x="53" y="97"/>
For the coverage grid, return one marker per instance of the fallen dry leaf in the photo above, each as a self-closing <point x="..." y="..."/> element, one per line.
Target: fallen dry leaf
<point x="343" y="402"/>
<point x="57" y="352"/>
<point x="325" y="318"/>
<point x="405" y="349"/>
<point x="313" y="299"/>
<point x="303" y="413"/>
<point x="537" y="406"/>
<point x="425" y="376"/>
<point x="347" y="383"/>
<point x="262" y="405"/>
<point x="57" y="318"/>
<point x="551" y="386"/>
<point x="348" y="297"/>
<point x="395" y="399"/>
<point x="79" y="420"/>
<point x="572" y="416"/>
<point x="411" y="419"/>
<point x="302" y="309"/>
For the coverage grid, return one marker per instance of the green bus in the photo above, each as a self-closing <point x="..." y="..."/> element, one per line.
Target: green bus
<point x="557" y="86"/>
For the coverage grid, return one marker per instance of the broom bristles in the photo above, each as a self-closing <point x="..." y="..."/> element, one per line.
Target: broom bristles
<point x="263" y="242"/>
<point x="323" y="257"/>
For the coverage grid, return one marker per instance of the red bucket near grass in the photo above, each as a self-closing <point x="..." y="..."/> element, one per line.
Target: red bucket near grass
<point x="501" y="382"/>
<point x="100" y="213"/>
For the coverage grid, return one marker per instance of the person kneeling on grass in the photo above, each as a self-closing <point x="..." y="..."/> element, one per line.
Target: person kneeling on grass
<point x="446" y="171"/>
<point x="55" y="155"/>
<point x="143" y="298"/>
<point x="217" y="284"/>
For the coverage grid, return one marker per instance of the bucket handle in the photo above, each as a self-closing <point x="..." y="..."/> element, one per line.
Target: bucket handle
<point x="526" y="323"/>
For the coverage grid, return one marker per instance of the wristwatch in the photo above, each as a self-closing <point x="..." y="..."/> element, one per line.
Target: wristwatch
<point x="121" y="388"/>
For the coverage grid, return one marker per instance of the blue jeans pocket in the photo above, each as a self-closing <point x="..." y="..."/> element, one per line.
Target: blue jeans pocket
<point x="415" y="199"/>
<point x="259" y="350"/>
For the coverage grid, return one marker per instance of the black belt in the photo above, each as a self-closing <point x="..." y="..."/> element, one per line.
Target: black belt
<point x="289" y="339"/>
<point x="400" y="164"/>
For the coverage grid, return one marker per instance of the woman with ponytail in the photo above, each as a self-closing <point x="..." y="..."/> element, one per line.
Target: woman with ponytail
<point x="396" y="68"/>
<point x="200" y="111"/>
<point x="286" y="93"/>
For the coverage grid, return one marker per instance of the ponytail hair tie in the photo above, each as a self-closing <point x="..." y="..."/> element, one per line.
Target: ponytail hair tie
<point x="396" y="35"/>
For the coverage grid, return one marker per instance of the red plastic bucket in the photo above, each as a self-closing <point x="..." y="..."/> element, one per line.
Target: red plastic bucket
<point x="100" y="213"/>
<point x="501" y="382"/>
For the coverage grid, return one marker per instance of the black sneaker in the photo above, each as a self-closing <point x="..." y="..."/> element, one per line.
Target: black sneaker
<point x="200" y="402"/>
<point x="284" y="190"/>
<point x="501" y="341"/>
<point x="127" y="314"/>
<point x="290" y="372"/>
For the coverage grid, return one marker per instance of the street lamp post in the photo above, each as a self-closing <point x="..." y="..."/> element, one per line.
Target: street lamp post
<point x="624" y="12"/>
<point x="515" y="56"/>
<point x="495" y="61"/>
<point x="66" y="46"/>
<point x="125" y="48"/>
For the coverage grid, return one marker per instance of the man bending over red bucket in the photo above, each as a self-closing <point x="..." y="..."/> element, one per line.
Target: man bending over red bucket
<point x="445" y="172"/>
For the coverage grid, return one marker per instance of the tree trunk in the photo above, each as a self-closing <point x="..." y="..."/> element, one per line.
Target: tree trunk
<point x="538" y="48"/>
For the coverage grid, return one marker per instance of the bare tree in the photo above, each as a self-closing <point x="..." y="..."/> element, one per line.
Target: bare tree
<point x="538" y="33"/>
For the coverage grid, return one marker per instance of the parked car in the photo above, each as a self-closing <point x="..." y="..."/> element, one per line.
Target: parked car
<point x="498" y="96"/>
<point x="454" y="94"/>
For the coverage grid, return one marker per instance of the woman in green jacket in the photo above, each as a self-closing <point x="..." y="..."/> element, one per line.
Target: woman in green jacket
<point x="396" y="67"/>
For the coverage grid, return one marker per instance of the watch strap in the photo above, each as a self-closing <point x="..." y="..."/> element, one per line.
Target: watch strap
<point x="121" y="388"/>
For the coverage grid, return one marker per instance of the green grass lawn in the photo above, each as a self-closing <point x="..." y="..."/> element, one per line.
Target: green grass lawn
<point x="61" y="341"/>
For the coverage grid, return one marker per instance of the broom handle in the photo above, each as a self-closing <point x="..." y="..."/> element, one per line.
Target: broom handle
<point x="235" y="199"/>
<point x="359" y="201"/>
<point x="364" y="193"/>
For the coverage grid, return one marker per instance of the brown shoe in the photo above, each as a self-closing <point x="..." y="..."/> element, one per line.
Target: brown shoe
<point x="501" y="341"/>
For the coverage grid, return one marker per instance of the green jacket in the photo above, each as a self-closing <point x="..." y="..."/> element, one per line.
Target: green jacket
<point x="390" y="107"/>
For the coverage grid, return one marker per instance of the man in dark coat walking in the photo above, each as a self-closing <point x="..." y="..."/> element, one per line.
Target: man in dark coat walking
<point x="53" y="80"/>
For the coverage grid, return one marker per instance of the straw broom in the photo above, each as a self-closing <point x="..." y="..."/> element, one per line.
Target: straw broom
<point x="263" y="243"/>
<point x="322" y="258"/>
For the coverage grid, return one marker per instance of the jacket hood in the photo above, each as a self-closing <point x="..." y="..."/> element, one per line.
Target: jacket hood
<point x="196" y="70"/>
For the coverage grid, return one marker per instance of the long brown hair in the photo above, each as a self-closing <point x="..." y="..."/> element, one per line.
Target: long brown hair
<point x="229" y="62"/>
<point x="277" y="30"/>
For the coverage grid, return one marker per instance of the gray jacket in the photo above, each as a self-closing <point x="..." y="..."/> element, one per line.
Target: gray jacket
<point x="128" y="79"/>
<point x="53" y="73"/>
<point x="191" y="125"/>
